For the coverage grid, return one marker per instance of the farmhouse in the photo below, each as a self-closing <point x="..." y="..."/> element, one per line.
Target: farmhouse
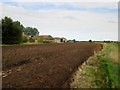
<point x="46" y="38"/>
<point x="60" y="40"/>
<point x="49" y="38"/>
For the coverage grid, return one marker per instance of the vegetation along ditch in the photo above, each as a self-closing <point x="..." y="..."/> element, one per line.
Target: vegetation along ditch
<point x="101" y="70"/>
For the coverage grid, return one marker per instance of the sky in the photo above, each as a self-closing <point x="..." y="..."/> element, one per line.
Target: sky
<point x="80" y="20"/>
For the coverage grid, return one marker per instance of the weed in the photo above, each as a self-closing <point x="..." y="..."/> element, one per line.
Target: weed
<point x="108" y="69"/>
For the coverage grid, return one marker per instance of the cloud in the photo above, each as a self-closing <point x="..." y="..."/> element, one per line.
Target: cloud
<point x="0" y="10"/>
<point x="78" y="24"/>
<point x="70" y="17"/>
<point x="62" y="0"/>
<point x="112" y="22"/>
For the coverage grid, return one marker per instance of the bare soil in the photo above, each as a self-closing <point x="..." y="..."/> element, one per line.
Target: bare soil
<point x="43" y="66"/>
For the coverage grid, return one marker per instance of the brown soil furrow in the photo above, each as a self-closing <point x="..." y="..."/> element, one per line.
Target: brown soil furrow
<point x="43" y="66"/>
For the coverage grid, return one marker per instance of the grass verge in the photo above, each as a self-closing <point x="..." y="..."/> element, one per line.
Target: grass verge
<point x="101" y="70"/>
<point x="28" y="43"/>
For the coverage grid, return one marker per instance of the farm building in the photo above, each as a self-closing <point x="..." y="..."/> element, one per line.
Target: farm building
<point x="46" y="38"/>
<point x="72" y="41"/>
<point x="29" y="37"/>
<point x="60" y="40"/>
<point x="49" y="38"/>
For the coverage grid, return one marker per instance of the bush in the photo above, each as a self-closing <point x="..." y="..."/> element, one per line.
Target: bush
<point x="40" y="40"/>
<point x="31" y="40"/>
<point x="90" y="40"/>
<point x="24" y="39"/>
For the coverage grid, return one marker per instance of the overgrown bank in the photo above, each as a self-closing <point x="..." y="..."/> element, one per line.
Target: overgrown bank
<point x="101" y="70"/>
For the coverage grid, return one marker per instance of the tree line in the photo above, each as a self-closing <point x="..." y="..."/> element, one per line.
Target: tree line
<point x="12" y="31"/>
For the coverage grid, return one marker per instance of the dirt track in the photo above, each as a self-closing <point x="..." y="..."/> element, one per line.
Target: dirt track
<point x="43" y="66"/>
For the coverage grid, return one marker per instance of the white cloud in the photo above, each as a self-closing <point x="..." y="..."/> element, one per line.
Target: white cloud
<point x="97" y="4"/>
<point x="81" y="25"/>
<point x="65" y="0"/>
<point x="0" y="10"/>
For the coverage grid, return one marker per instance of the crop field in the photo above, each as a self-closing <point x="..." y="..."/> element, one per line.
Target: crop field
<point x="43" y="66"/>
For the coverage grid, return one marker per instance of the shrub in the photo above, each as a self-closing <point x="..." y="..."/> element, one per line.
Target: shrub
<point x="90" y="40"/>
<point x="31" y="40"/>
<point x="40" y="40"/>
<point x="24" y="39"/>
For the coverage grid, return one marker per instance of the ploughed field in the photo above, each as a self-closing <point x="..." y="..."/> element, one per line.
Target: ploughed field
<point x="43" y="66"/>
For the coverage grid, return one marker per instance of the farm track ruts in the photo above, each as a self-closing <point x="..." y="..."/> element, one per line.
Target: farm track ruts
<point x="43" y="66"/>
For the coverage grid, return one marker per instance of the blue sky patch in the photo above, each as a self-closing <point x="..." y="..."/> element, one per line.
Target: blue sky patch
<point x="58" y="6"/>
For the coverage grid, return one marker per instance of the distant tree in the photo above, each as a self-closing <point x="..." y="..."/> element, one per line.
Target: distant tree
<point x="11" y="31"/>
<point x="90" y="40"/>
<point x="31" y="31"/>
<point x="0" y="25"/>
<point x="74" y="40"/>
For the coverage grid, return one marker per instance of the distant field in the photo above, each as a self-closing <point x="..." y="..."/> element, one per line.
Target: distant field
<point x="43" y="66"/>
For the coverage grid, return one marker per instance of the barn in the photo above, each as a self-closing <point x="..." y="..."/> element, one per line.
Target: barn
<point x="46" y="38"/>
<point x="60" y="40"/>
